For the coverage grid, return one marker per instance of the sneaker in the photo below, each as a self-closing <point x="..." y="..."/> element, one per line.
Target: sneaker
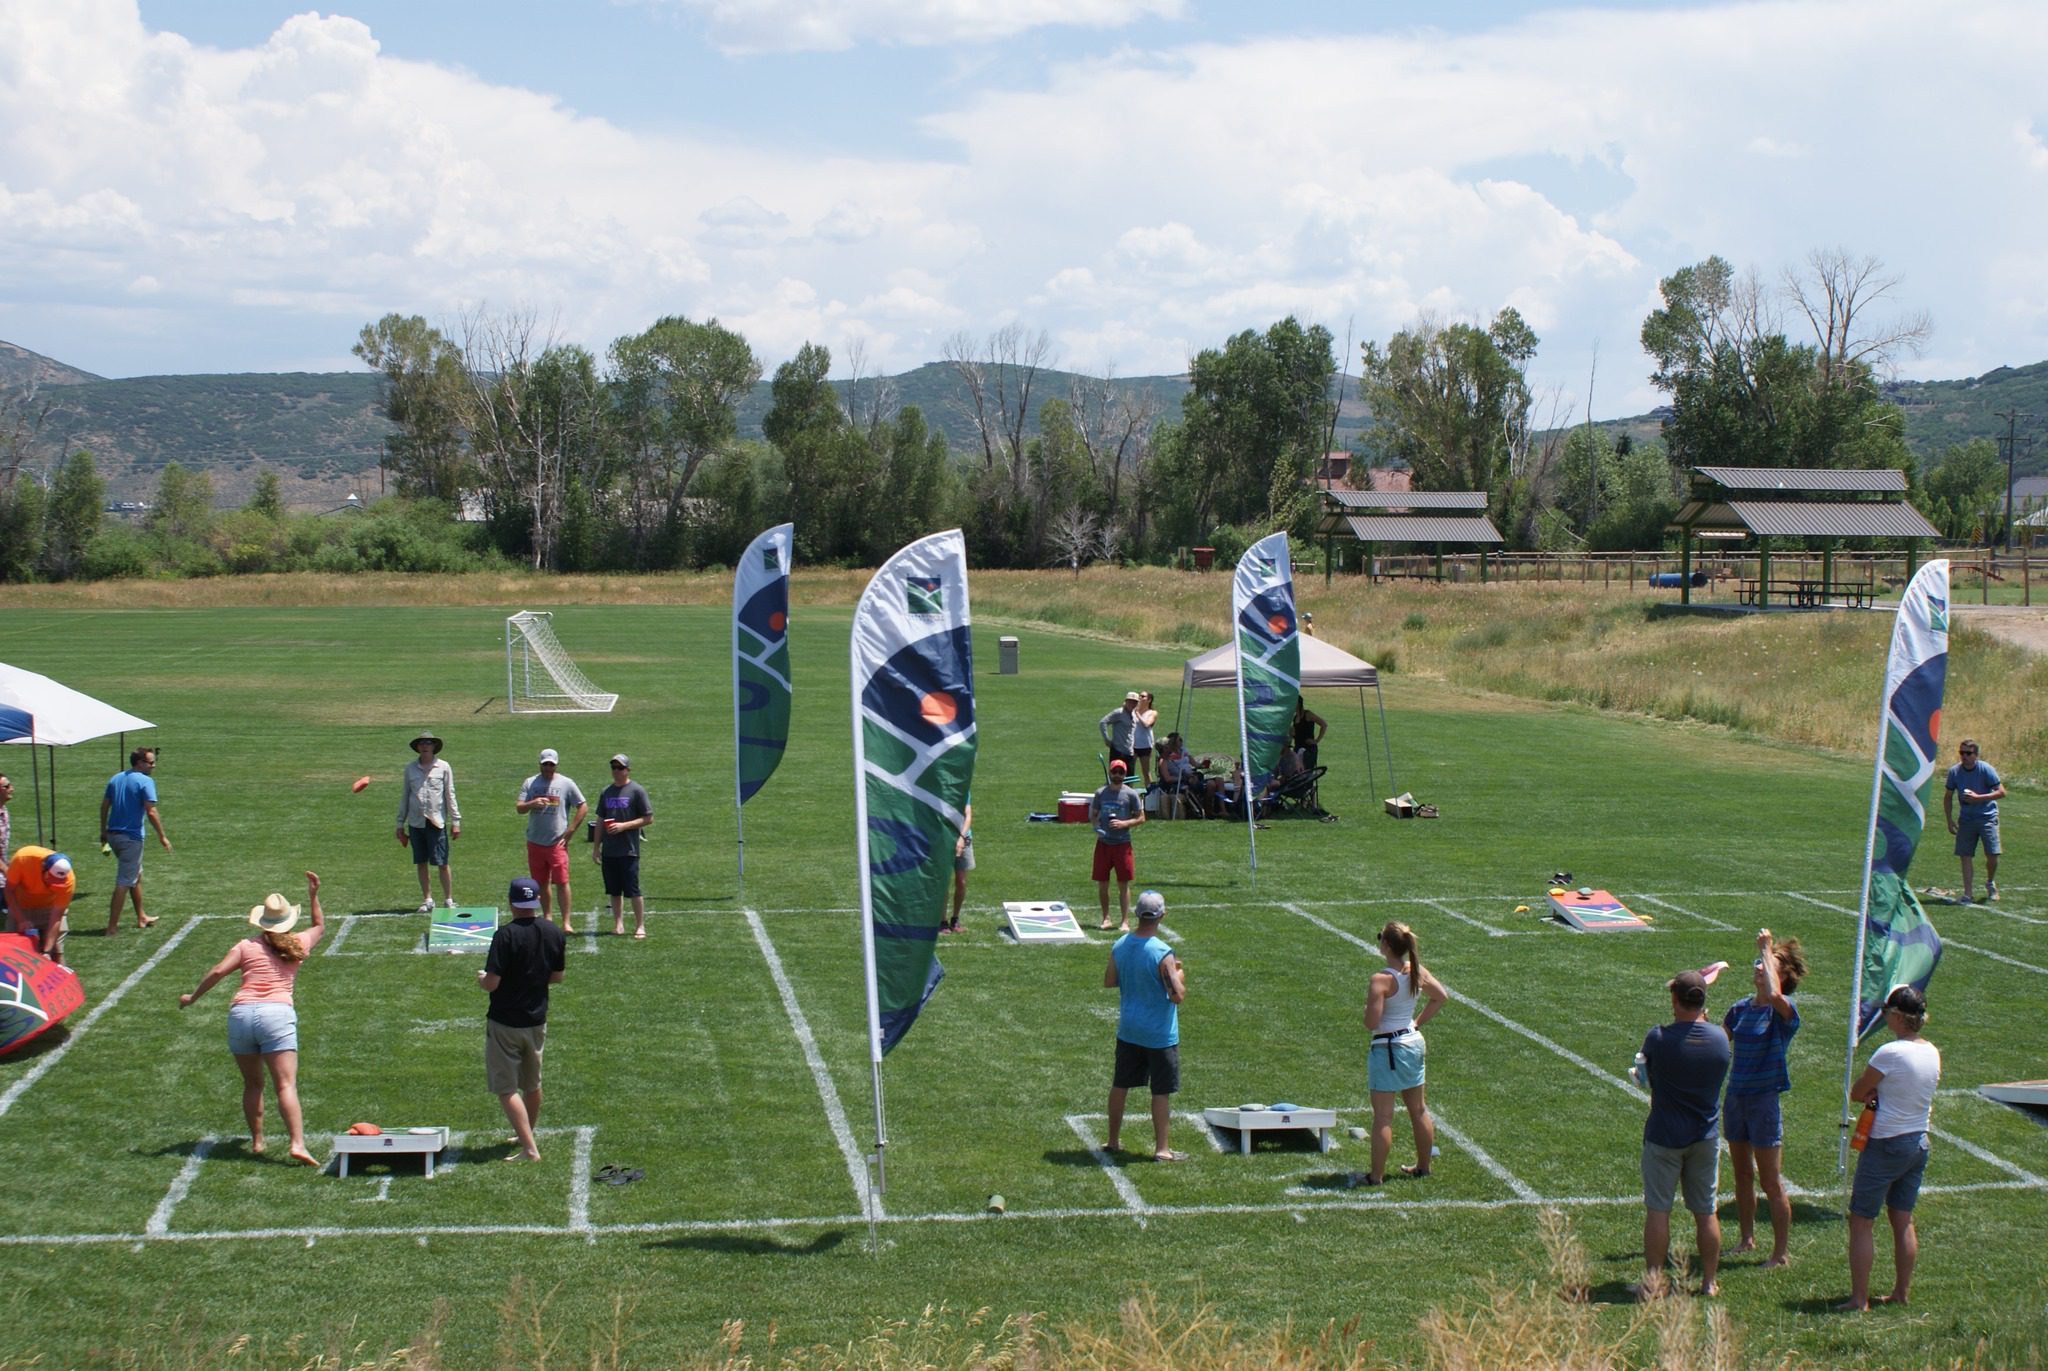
<point x="1965" y="899"/>
<point x="426" y="907"/>
<point x="1991" y="890"/>
<point x="448" y="904"/>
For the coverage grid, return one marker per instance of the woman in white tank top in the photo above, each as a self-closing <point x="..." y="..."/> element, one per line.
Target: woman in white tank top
<point x="1395" y="1052"/>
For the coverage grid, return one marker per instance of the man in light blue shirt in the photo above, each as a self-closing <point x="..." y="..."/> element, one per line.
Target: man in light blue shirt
<point x="1147" y="978"/>
<point x="1981" y="790"/>
<point x="130" y="799"/>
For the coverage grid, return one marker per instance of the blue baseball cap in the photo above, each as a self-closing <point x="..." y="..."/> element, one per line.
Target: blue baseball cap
<point x="524" y="894"/>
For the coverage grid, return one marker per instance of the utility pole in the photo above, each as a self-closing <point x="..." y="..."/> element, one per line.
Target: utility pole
<point x="2012" y="418"/>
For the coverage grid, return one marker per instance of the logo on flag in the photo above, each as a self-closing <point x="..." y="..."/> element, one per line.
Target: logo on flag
<point x="924" y="595"/>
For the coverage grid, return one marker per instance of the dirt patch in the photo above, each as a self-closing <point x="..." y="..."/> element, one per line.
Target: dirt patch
<point x="2025" y="628"/>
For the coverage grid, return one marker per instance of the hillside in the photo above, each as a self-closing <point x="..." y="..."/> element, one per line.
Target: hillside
<point x="322" y="432"/>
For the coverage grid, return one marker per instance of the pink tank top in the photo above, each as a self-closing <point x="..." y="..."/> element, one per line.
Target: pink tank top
<point x="267" y="977"/>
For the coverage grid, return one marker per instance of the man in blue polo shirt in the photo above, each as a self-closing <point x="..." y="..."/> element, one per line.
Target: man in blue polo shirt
<point x="129" y="801"/>
<point x="1981" y="790"/>
<point x="1685" y="1062"/>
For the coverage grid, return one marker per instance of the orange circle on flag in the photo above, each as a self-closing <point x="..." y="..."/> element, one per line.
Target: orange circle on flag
<point x="1278" y="623"/>
<point x="938" y="708"/>
<point x="778" y="621"/>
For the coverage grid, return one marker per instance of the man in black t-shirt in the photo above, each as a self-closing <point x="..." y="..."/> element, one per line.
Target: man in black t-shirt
<point x="524" y="960"/>
<point x="622" y="811"/>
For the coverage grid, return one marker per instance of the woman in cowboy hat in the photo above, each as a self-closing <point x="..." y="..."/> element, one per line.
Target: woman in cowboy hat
<point x="428" y="815"/>
<point x="263" y="1026"/>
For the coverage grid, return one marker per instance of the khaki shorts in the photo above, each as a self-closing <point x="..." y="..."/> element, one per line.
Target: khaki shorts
<point x="512" y="1057"/>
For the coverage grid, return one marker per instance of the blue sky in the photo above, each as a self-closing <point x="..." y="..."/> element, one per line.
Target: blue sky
<point x="237" y="185"/>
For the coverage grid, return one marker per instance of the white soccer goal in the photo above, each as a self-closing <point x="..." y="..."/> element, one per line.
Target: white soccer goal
<point x="540" y="678"/>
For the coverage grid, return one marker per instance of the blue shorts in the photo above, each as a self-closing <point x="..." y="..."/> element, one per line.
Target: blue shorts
<point x="429" y="846"/>
<point x="1888" y="1175"/>
<point x="1395" y="1064"/>
<point x="1970" y="830"/>
<point x="265" y="1027"/>
<point x="1753" y="1119"/>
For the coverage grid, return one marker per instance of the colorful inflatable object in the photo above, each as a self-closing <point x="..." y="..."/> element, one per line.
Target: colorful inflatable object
<point x="35" y="992"/>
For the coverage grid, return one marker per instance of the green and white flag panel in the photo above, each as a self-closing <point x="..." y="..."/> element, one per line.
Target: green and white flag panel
<point x="914" y="741"/>
<point x="1268" y="654"/>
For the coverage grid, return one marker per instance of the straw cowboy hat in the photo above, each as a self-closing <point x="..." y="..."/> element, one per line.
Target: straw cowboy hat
<point x="426" y="735"/>
<point x="274" y="915"/>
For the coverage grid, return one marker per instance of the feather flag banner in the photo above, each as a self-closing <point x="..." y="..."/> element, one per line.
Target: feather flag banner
<point x="1895" y="941"/>
<point x="1268" y="661"/>
<point x="761" y="690"/>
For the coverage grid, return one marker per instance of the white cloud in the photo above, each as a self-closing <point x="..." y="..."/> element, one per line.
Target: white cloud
<point x="742" y="26"/>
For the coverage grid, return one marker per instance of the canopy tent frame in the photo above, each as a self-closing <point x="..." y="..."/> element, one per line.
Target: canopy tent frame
<point x="1217" y="668"/>
<point x="57" y="716"/>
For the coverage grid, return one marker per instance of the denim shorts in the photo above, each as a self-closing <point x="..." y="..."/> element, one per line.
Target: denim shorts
<point x="1969" y="831"/>
<point x="1396" y="1064"/>
<point x="1888" y="1175"/>
<point x="1753" y="1119"/>
<point x="262" y="1027"/>
<point x="429" y="845"/>
<point x="127" y="858"/>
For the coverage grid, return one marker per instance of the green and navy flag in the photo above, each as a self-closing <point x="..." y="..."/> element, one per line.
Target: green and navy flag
<point x="913" y="749"/>
<point x="1895" y="942"/>
<point x="760" y="667"/>
<point x="1268" y="660"/>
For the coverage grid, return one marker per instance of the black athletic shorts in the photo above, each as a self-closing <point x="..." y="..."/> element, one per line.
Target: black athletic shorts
<point x="1157" y="1066"/>
<point x="621" y="876"/>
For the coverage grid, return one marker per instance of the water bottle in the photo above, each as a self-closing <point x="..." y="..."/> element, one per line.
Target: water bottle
<point x="1861" y="1137"/>
<point x="1638" y="1071"/>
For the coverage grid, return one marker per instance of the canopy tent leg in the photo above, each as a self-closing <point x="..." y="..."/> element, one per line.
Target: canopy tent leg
<point x="1365" y="727"/>
<point x="35" y="767"/>
<point x="1385" y="744"/>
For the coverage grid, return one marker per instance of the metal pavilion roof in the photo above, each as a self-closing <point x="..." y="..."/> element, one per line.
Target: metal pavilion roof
<point x="1422" y="528"/>
<point x="1807" y="518"/>
<point x="1883" y="480"/>
<point x="1408" y="499"/>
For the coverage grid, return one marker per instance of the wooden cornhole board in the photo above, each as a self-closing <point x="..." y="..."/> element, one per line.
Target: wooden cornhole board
<point x="1598" y="912"/>
<point x="427" y="1143"/>
<point x="1042" y="921"/>
<point x="1245" y="1122"/>
<point x="2034" y="1093"/>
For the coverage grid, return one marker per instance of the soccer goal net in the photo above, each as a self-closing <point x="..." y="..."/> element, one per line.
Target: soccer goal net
<point x="540" y="677"/>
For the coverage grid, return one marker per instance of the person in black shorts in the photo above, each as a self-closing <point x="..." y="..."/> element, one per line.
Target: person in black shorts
<point x="622" y="811"/>
<point x="524" y="960"/>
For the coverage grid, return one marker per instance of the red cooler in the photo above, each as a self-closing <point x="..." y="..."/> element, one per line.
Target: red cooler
<point x="1074" y="808"/>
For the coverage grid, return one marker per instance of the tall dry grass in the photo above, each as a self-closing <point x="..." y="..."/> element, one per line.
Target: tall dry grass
<point x="1810" y="679"/>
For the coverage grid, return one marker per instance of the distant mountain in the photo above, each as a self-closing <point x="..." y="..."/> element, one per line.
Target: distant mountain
<point x="322" y="432"/>
<point x="20" y="369"/>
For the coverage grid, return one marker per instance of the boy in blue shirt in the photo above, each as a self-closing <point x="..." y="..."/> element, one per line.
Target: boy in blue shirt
<point x="1981" y="790"/>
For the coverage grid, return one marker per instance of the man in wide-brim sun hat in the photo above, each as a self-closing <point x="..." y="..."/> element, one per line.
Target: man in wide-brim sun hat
<point x="428" y="815"/>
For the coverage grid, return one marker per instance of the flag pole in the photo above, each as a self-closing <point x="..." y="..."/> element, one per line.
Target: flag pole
<point x="739" y="805"/>
<point x="869" y="1192"/>
<point x="1244" y="750"/>
<point x="1862" y="932"/>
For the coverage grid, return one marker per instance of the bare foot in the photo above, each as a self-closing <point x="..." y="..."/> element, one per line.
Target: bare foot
<point x="1888" y="1299"/>
<point x="302" y="1156"/>
<point x="1169" y="1156"/>
<point x="145" y="920"/>
<point x="256" y="1144"/>
<point x="567" y="931"/>
<point x="1850" y="1307"/>
<point x="1105" y="926"/>
<point x="518" y="1156"/>
<point x="1709" y="1290"/>
<point x="1777" y="1259"/>
<point x="619" y="929"/>
<point x="115" y="928"/>
<point x="640" y="933"/>
<point x="1746" y="1245"/>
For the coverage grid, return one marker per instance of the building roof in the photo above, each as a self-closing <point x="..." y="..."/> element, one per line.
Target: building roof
<point x="1409" y="499"/>
<point x="1884" y="479"/>
<point x="1808" y="518"/>
<point x="1422" y="528"/>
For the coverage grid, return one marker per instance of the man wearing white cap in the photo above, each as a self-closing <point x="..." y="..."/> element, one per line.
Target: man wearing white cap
<point x="1119" y="730"/>
<point x="545" y="800"/>
<point x="1150" y="986"/>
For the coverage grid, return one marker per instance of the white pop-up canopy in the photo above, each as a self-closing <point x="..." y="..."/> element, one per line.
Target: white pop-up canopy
<point x="55" y="716"/>
<point x="1323" y="666"/>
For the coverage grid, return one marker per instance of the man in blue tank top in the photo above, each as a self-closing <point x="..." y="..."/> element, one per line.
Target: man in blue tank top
<point x="1147" y="978"/>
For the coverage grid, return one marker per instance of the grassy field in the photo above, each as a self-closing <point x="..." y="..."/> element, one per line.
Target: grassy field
<point x="724" y="1056"/>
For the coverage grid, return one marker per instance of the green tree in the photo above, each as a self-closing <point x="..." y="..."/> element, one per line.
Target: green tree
<point x="267" y="499"/>
<point x="1451" y="403"/>
<point x="23" y="506"/>
<point x="183" y="508"/>
<point x="77" y="504"/>
<point x="1964" y="494"/>
<point x="676" y="390"/>
<point x="424" y="391"/>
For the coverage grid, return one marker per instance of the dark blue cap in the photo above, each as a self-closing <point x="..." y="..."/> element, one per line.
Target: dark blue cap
<point x="524" y="894"/>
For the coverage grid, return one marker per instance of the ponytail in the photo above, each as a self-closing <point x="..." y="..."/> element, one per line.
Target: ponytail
<point x="1399" y="939"/>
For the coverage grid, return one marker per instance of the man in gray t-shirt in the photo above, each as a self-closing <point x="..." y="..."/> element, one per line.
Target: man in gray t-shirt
<point x="554" y="808"/>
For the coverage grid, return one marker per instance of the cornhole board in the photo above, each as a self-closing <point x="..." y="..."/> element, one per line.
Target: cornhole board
<point x="1245" y="1122"/>
<point x="1042" y="921"/>
<point x="465" y="928"/>
<point x="1598" y="912"/>
<point x="427" y="1143"/>
<point x="2034" y="1093"/>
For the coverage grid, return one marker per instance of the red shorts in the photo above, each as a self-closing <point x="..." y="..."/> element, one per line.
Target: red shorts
<point x="1115" y="859"/>
<point x="548" y="863"/>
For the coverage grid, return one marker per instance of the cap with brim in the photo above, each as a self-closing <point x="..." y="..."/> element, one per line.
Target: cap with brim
<point x="1151" y="906"/>
<point x="524" y="893"/>
<point x="1689" y="987"/>
<point x="1118" y="765"/>
<point x="548" y="754"/>
<point x="426" y="736"/>
<point x="621" y="759"/>
<point x="275" y="914"/>
<point x="1130" y="694"/>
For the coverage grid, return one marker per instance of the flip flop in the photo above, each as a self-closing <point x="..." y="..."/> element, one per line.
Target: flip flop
<point x="641" y="934"/>
<point x="1170" y="1157"/>
<point x="1415" y="1173"/>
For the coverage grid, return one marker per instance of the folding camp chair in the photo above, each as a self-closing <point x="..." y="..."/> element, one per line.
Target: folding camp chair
<point x="1299" y="796"/>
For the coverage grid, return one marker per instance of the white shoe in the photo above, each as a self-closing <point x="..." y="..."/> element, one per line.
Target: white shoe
<point x="448" y="904"/>
<point x="426" y="907"/>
